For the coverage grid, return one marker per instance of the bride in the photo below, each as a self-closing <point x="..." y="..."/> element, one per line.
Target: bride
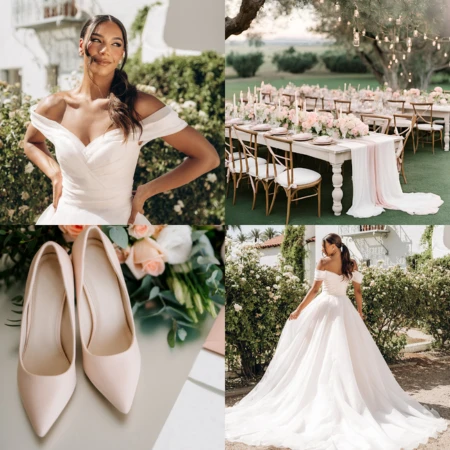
<point x="98" y="129"/>
<point x="328" y="386"/>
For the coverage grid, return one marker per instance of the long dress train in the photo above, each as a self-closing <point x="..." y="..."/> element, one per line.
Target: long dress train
<point x="329" y="388"/>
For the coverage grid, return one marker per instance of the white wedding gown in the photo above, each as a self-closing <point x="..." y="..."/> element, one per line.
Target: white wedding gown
<point x="329" y="388"/>
<point x="98" y="177"/>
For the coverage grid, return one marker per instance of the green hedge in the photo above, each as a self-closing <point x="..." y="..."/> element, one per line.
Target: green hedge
<point x="26" y="192"/>
<point x="245" y="64"/>
<point x="294" y="62"/>
<point x="343" y="62"/>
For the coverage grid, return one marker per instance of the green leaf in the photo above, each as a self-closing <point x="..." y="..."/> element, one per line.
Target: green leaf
<point x="179" y="312"/>
<point x="187" y="324"/>
<point x="12" y="325"/>
<point x="169" y="295"/>
<point x="2" y="232"/>
<point x="143" y="289"/>
<point x="119" y="236"/>
<point x="145" y="313"/>
<point x="17" y="312"/>
<point x="171" y="336"/>
<point x="182" y="333"/>
<point x="154" y="292"/>
<point x="207" y="260"/>
<point x="15" y="320"/>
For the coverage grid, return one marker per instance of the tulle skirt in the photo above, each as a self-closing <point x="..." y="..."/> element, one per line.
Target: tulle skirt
<point x="329" y="388"/>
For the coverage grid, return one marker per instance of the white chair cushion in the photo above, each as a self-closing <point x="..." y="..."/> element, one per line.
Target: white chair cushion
<point x="238" y="163"/>
<point x="427" y="127"/>
<point x="236" y="155"/>
<point x="301" y="177"/>
<point x="265" y="173"/>
<point x="402" y="123"/>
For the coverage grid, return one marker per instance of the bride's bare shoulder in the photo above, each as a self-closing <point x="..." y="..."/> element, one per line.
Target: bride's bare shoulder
<point x="53" y="106"/>
<point x="147" y="104"/>
<point x="323" y="263"/>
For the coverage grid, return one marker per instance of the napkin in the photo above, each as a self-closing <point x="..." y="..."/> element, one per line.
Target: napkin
<point x="196" y="421"/>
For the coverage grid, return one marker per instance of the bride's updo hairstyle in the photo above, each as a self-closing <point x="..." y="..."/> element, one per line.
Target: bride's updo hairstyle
<point x="347" y="263"/>
<point x="123" y="94"/>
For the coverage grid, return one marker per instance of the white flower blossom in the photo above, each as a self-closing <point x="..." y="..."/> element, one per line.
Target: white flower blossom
<point x="237" y="307"/>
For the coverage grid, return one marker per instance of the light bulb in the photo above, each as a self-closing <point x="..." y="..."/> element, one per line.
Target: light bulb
<point x="356" y="39"/>
<point x="434" y="43"/>
<point x="409" y="42"/>
<point x="404" y="56"/>
<point x="349" y="23"/>
<point x="409" y="49"/>
<point x="377" y="38"/>
<point x="416" y="33"/>
<point x="386" y="39"/>
<point x="390" y="19"/>
<point x="401" y="74"/>
<point x="391" y="46"/>
<point x="356" y="12"/>
<point x="339" y="19"/>
<point x="363" y="32"/>
<point x="399" y="20"/>
<point x="445" y="55"/>
<point x="425" y="37"/>
<point x="409" y="80"/>
<point x="397" y="39"/>
<point x="438" y="46"/>
<point x="337" y="6"/>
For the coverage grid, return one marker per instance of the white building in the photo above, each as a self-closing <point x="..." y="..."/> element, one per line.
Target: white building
<point x="368" y="244"/>
<point x="40" y="37"/>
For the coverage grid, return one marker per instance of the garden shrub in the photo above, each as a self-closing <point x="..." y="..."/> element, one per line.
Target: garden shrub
<point x="245" y="64"/>
<point x="294" y="62"/>
<point x="192" y="85"/>
<point x="343" y="62"/>
<point x="259" y="300"/>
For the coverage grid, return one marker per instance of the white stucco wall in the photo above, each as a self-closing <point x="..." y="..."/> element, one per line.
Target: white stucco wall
<point x="21" y="49"/>
<point x="269" y="255"/>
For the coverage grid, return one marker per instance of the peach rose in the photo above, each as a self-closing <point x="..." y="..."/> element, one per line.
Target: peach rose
<point x="141" y="231"/>
<point x="70" y="232"/>
<point x="146" y="257"/>
<point x="122" y="253"/>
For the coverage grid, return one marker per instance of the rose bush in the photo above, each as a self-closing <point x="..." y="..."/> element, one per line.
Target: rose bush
<point x="259" y="300"/>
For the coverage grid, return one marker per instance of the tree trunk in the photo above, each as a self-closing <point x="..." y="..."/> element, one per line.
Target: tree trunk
<point x="242" y="21"/>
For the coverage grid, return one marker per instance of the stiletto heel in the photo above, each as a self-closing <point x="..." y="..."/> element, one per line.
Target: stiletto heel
<point x="111" y="356"/>
<point x="46" y="371"/>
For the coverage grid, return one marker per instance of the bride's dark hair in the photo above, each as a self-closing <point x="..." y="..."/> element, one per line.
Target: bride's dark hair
<point x="347" y="263"/>
<point x="123" y="94"/>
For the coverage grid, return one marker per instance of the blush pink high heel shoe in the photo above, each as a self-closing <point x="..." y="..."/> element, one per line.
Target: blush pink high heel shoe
<point x="46" y="370"/>
<point x="111" y="356"/>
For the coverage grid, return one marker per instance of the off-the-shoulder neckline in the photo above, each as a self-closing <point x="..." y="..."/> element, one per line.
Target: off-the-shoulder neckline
<point x="338" y="274"/>
<point x="114" y="130"/>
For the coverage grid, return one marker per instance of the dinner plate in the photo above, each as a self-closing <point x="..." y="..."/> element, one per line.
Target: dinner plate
<point x="315" y="142"/>
<point x="302" y="137"/>
<point x="262" y="127"/>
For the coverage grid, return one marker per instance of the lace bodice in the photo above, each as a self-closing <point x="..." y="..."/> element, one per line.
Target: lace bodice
<point x="335" y="284"/>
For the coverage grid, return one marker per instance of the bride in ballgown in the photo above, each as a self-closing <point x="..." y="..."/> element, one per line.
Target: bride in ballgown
<point x="328" y="386"/>
<point x="98" y="130"/>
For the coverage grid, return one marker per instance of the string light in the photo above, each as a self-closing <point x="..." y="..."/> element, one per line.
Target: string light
<point x="404" y="56"/>
<point x="425" y="37"/>
<point x="339" y="19"/>
<point x="434" y="43"/>
<point x="356" y="14"/>
<point x="337" y="6"/>
<point x="399" y="20"/>
<point x="409" y="42"/>
<point x="386" y="39"/>
<point x="438" y="46"/>
<point x="397" y="39"/>
<point x="415" y="33"/>
<point x="356" y="39"/>
<point x="445" y="55"/>
<point x="363" y="32"/>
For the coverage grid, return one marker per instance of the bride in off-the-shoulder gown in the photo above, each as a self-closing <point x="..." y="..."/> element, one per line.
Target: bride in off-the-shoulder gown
<point x="328" y="386"/>
<point x="92" y="176"/>
<point x="97" y="179"/>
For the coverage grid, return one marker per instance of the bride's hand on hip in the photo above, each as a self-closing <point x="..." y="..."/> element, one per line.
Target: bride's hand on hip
<point x="137" y="205"/>
<point x="294" y="315"/>
<point x="57" y="189"/>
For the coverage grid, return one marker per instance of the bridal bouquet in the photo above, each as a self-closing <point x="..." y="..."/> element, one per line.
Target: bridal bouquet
<point x="171" y="271"/>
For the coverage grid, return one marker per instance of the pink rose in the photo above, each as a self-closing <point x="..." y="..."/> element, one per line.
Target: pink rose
<point x="438" y="89"/>
<point x="141" y="231"/>
<point x="70" y="232"/>
<point x="146" y="257"/>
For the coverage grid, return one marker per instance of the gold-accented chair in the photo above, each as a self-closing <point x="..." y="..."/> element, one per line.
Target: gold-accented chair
<point x="312" y="104"/>
<point x="251" y="166"/>
<point x="343" y="105"/>
<point x="425" y="124"/>
<point x="397" y="104"/>
<point x="377" y="123"/>
<point x="292" y="179"/>
<point x="232" y="167"/>
<point x="399" y="123"/>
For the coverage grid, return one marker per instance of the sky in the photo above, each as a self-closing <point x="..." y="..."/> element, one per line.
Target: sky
<point x="293" y="27"/>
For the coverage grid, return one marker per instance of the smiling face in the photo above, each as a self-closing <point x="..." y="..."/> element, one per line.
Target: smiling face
<point x="105" y="49"/>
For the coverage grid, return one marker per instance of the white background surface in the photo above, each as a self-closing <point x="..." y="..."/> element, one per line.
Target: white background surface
<point x="89" y="420"/>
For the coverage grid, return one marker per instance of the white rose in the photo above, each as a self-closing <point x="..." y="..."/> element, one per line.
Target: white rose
<point x="29" y="168"/>
<point x="237" y="307"/>
<point x="176" y="240"/>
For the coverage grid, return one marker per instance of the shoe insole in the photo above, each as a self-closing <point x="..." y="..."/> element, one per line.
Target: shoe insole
<point x="44" y="354"/>
<point x="110" y="332"/>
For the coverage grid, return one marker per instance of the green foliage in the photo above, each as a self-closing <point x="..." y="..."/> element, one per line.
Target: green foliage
<point x="193" y="86"/>
<point x="259" y="300"/>
<point x="294" y="62"/>
<point x="343" y="62"/>
<point x="245" y="64"/>
<point x="418" y="259"/>
<point x="391" y="303"/>
<point x="293" y="248"/>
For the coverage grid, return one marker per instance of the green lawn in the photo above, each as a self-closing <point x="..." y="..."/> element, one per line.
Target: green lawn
<point x="425" y="172"/>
